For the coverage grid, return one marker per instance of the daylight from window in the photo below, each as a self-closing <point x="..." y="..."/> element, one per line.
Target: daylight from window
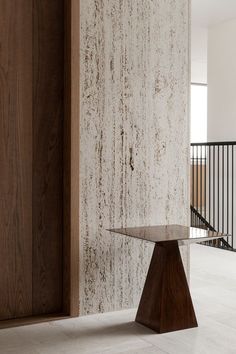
<point x="198" y="113"/>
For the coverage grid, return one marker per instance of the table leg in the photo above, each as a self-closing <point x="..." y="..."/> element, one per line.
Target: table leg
<point x="166" y="303"/>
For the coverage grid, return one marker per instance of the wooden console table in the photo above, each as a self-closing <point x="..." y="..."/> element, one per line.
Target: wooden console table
<point x="166" y="303"/>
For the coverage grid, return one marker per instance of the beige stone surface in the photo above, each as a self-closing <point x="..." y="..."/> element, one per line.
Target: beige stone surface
<point x="134" y="144"/>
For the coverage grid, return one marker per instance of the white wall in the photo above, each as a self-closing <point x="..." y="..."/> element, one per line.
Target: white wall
<point x="199" y="54"/>
<point x="222" y="82"/>
<point x="134" y="160"/>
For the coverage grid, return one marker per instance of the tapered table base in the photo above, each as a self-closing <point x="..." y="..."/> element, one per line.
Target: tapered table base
<point x="166" y="303"/>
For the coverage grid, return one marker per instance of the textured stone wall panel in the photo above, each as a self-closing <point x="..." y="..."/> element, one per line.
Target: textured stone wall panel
<point x="134" y="139"/>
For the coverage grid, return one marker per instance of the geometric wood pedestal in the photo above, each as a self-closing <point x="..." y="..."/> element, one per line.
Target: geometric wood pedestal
<point x="166" y="303"/>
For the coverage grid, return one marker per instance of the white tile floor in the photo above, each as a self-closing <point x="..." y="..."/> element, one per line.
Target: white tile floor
<point x="213" y="286"/>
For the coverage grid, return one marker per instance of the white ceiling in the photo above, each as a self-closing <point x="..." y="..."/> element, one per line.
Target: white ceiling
<point x="206" y="13"/>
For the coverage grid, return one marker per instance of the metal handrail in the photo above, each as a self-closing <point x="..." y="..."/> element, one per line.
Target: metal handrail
<point x="215" y="143"/>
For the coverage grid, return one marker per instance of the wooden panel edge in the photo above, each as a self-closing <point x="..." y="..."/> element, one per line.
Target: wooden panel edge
<point x="71" y="159"/>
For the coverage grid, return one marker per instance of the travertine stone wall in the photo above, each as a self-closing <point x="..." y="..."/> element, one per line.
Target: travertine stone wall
<point x="134" y="154"/>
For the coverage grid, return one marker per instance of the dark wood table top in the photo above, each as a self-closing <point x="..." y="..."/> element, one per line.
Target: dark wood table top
<point x="165" y="233"/>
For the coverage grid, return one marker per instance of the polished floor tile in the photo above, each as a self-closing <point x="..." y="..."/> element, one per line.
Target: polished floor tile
<point x="213" y="287"/>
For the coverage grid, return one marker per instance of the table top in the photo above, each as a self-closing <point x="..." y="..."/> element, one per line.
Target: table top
<point x="165" y="233"/>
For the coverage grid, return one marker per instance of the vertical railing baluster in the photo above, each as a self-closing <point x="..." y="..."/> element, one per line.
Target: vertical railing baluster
<point x="223" y="188"/>
<point x="205" y="170"/>
<point x="213" y="175"/>
<point x="227" y="177"/>
<point x="218" y="192"/>
<point x="193" y="180"/>
<point x="209" y="190"/>
<point x="197" y="180"/>
<point x="232" y="230"/>
<point x="201" y="180"/>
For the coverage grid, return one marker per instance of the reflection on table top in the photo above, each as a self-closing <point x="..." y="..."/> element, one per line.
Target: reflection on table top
<point x="165" y="233"/>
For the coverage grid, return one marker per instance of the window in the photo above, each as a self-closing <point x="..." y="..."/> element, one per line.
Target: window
<point x="198" y="113"/>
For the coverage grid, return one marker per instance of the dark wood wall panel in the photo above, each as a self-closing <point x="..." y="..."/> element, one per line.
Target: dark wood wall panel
<point x="31" y="157"/>
<point x="15" y="158"/>
<point x="48" y="107"/>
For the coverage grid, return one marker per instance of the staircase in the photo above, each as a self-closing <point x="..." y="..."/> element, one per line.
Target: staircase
<point x="213" y="189"/>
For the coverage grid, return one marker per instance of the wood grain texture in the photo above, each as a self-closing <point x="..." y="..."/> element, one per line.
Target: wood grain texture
<point x="37" y="277"/>
<point x="71" y="159"/>
<point x="166" y="303"/>
<point x="15" y="158"/>
<point x="48" y="104"/>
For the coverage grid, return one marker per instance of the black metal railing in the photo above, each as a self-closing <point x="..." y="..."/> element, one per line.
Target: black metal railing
<point x="213" y="188"/>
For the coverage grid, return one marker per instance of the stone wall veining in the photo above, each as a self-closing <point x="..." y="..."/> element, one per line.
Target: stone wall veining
<point x="134" y="143"/>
